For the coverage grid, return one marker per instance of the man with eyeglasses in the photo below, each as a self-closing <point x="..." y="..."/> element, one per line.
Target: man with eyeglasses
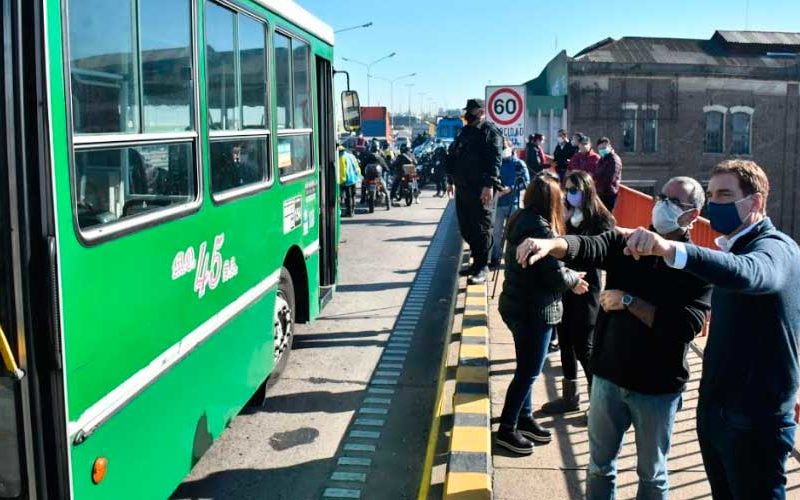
<point x="747" y="409"/>
<point x="649" y="315"/>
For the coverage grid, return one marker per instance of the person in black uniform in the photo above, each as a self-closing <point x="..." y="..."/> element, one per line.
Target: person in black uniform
<point x="562" y="154"/>
<point x="473" y="167"/>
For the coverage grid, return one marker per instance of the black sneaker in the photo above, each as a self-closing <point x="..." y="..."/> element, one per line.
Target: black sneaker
<point x="479" y="277"/>
<point x="531" y="429"/>
<point x="467" y="271"/>
<point x="513" y="441"/>
<point x="494" y="265"/>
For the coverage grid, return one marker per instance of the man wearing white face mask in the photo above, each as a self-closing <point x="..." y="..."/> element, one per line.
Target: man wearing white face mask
<point x="747" y="409"/>
<point x="650" y="313"/>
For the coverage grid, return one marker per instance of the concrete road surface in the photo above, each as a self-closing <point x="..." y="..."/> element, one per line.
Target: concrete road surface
<point x="351" y="414"/>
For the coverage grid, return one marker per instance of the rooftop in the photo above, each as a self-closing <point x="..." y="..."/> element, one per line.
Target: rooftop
<point x="724" y="48"/>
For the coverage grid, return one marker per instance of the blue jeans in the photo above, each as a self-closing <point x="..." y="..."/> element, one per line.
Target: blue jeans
<point x="744" y="459"/>
<point x="501" y="215"/>
<point x="530" y="345"/>
<point x="613" y="410"/>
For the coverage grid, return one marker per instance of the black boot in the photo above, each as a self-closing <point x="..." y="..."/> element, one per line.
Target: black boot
<point x="569" y="401"/>
<point x="513" y="441"/>
<point x="531" y="429"/>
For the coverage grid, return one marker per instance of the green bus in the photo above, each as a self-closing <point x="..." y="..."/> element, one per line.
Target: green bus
<point x="169" y="210"/>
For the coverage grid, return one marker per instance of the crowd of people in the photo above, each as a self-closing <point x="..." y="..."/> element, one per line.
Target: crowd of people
<point x="631" y="333"/>
<point x="378" y="160"/>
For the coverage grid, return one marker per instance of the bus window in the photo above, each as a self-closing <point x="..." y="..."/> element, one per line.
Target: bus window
<point x="116" y="183"/>
<point x="132" y="73"/>
<point x="294" y="154"/>
<point x="293" y="104"/>
<point x="105" y="90"/>
<point x="237" y="100"/>
<point x="238" y="162"/>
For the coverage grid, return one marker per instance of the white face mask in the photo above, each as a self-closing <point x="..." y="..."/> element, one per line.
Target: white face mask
<point x="507" y="153"/>
<point x="665" y="217"/>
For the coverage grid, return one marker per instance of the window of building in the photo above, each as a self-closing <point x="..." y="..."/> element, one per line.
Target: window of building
<point x="237" y="101"/>
<point x="741" y="132"/>
<point x="629" y="130"/>
<point x="131" y="78"/>
<point x="293" y="104"/>
<point x="714" y="131"/>
<point x="650" y="130"/>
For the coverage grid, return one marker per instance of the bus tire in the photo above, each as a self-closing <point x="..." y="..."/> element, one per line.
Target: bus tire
<point x="283" y="323"/>
<point x="283" y="328"/>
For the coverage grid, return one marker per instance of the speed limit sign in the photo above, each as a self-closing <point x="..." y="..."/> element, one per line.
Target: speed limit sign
<point x="505" y="107"/>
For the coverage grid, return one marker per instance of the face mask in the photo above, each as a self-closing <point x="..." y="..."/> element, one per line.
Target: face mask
<point x="665" y="217"/>
<point x="724" y="217"/>
<point x="603" y="152"/>
<point x="507" y="152"/>
<point x="575" y="199"/>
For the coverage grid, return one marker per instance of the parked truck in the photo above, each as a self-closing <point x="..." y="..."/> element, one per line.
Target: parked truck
<point x="375" y="122"/>
<point x="448" y="127"/>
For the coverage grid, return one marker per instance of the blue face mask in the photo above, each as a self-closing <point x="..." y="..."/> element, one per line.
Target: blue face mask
<point x="603" y="152"/>
<point x="724" y="217"/>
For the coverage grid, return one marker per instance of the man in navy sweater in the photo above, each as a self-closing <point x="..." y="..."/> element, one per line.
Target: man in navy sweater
<point x="746" y="414"/>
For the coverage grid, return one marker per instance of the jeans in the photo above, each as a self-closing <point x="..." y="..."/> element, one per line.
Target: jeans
<point x="613" y="410"/>
<point x="349" y="199"/>
<point x="744" y="460"/>
<point x="530" y="345"/>
<point x="501" y="215"/>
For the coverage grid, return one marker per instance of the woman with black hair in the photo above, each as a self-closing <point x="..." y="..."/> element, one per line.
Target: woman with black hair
<point x="586" y="215"/>
<point x="530" y="305"/>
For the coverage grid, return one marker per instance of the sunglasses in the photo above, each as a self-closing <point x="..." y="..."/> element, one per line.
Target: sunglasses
<point x="674" y="201"/>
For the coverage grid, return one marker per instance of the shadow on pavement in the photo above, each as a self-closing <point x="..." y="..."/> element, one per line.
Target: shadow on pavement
<point x="309" y="402"/>
<point x="311" y="336"/>
<point x="409" y="239"/>
<point x="317" y="344"/>
<point x="371" y="287"/>
<point x="389" y="222"/>
<point x="297" y="481"/>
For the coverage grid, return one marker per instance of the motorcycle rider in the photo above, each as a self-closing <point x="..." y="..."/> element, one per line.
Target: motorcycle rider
<point x="406" y="157"/>
<point x="371" y="157"/>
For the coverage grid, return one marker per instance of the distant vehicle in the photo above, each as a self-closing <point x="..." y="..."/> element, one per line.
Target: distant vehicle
<point x="402" y="141"/>
<point x="375" y="122"/>
<point x="448" y="128"/>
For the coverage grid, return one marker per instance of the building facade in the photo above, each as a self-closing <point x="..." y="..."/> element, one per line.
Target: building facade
<point x="678" y="107"/>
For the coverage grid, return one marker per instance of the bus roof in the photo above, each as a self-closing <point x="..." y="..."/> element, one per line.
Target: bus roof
<point x="301" y="17"/>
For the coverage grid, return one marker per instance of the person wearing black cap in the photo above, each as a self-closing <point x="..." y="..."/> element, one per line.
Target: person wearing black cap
<point x="473" y="168"/>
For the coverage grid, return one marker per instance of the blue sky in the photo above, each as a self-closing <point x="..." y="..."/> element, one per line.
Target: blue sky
<point x="457" y="47"/>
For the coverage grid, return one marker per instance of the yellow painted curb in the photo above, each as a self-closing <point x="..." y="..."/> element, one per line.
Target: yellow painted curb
<point x="468" y="467"/>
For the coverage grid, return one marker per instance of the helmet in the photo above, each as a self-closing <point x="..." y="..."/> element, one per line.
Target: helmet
<point x="373" y="147"/>
<point x="385" y="144"/>
<point x="404" y="148"/>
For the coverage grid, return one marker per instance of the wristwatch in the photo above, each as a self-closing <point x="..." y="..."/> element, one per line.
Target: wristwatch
<point x="627" y="300"/>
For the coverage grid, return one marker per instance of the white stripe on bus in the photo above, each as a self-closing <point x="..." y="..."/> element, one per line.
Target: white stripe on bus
<point x="112" y="402"/>
<point x="311" y="249"/>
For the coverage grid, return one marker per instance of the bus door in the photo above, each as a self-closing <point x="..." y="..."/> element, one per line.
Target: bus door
<point x="328" y="179"/>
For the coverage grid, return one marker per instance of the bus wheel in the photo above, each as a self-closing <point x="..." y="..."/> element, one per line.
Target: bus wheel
<point x="283" y="336"/>
<point x="283" y="324"/>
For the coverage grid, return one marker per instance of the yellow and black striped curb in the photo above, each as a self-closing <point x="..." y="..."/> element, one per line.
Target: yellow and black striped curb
<point x="468" y="466"/>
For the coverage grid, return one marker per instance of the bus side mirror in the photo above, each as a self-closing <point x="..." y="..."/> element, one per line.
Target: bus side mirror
<point x="351" y="111"/>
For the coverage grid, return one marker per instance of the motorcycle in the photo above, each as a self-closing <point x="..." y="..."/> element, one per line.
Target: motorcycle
<point x="408" y="189"/>
<point x="376" y="189"/>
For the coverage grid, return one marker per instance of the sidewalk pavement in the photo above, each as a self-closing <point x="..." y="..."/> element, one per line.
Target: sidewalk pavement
<point x="558" y="470"/>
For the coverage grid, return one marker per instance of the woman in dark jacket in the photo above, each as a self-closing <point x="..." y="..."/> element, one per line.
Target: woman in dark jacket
<point x="530" y="305"/>
<point x="586" y="215"/>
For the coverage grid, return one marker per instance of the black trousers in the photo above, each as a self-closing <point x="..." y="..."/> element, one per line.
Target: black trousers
<point x="475" y="223"/>
<point x="349" y="199"/>
<point x="576" y="331"/>
<point x="609" y="200"/>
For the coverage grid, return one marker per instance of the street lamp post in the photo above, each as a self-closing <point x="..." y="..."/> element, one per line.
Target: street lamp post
<point x="421" y="101"/>
<point x="391" y="89"/>
<point x="369" y="68"/>
<point x="408" y="86"/>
